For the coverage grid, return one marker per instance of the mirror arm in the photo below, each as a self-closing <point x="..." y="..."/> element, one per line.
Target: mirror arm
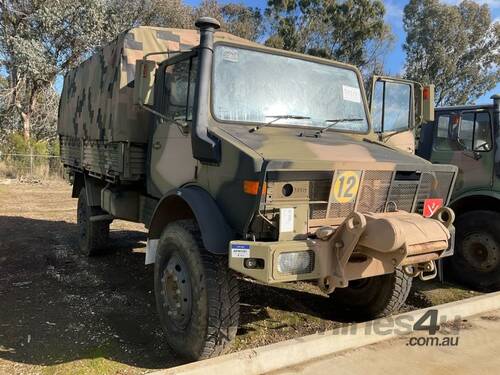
<point x="160" y="115"/>
<point x="182" y="127"/>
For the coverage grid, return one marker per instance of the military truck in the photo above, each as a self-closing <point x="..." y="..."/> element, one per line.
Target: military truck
<point x="467" y="136"/>
<point x="245" y="160"/>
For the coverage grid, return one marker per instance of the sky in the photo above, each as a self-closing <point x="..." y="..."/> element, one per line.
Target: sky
<point x="394" y="61"/>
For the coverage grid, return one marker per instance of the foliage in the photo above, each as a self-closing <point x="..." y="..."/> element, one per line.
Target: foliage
<point x="237" y="19"/>
<point x="166" y="13"/>
<point x="456" y="47"/>
<point x="351" y="31"/>
<point x="42" y="39"/>
<point x="16" y="144"/>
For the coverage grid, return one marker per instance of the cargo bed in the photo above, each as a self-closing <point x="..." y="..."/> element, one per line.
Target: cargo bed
<point x="110" y="161"/>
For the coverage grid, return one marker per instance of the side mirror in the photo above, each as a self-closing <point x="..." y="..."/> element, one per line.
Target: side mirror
<point x="392" y="104"/>
<point x="144" y="82"/>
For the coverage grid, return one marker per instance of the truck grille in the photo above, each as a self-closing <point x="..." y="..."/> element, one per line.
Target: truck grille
<point x="377" y="189"/>
<point x="403" y="194"/>
<point x="374" y="191"/>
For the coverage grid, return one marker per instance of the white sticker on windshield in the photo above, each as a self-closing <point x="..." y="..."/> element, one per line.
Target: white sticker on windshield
<point x="230" y="54"/>
<point x="351" y="94"/>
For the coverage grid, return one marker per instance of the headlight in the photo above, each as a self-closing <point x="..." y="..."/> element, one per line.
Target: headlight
<point x="296" y="262"/>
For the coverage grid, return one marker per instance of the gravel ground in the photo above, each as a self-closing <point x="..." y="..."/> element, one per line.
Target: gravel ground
<point x="61" y="312"/>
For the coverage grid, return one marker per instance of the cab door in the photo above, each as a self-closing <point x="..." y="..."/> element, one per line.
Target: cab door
<point x="392" y="104"/>
<point x="465" y="139"/>
<point x="171" y="158"/>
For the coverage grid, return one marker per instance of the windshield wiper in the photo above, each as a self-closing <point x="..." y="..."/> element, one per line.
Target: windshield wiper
<point x="335" y="122"/>
<point x="276" y="118"/>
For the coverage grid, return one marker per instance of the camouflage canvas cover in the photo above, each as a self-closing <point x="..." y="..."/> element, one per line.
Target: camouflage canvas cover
<point x="97" y="98"/>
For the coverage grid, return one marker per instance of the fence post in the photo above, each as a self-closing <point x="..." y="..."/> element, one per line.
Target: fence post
<point x="31" y="162"/>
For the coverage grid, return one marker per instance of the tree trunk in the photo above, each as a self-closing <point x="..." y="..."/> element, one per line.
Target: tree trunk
<point x="26" y="115"/>
<point x="26" y="126"/>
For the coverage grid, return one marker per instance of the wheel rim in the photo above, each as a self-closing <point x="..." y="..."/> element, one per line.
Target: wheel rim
<point x="176" y="290"/>
<point x="480" y="250"/>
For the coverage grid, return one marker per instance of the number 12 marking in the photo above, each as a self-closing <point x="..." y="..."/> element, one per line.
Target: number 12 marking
<point x="346" y="186"/>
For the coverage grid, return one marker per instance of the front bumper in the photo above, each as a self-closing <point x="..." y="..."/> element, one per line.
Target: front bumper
<point x="364" y="245"/>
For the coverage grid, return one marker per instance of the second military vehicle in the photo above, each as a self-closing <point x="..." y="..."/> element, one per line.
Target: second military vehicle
<point x="238" y="157"/>
<point x="467" y="136"/>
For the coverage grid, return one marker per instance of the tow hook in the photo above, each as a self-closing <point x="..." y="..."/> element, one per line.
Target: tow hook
<point x="425" y="271"/>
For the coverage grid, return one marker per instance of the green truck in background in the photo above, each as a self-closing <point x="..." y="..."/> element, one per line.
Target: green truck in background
<point x="243" y="159"/>
<point x="468" y="136"/>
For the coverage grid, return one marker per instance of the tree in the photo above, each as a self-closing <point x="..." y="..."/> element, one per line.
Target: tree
<point x="455" y="47"/>
<point x="166" y="13"/>
<point x="351" y="31"/>
<point x="237" y="19"/>
<point x="42" y="39"/>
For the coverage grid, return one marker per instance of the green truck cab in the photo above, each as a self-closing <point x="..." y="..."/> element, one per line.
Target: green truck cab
<point x="243" y="159"/>
<point x="467" y="136"/>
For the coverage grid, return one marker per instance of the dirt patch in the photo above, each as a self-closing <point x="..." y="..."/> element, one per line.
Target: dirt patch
<point x="491" y="318"/>
<point x="454" y="326"/>
<point x="65" y="313"/>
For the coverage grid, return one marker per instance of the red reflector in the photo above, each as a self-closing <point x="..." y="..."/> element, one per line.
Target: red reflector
<point x="431" y="206"/>
<point x="426" y="94"/>
<point x="252" y="187"/>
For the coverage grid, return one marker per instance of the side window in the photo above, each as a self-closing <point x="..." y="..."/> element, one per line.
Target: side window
<point x="443" y="125"/>
<point x="192" y="85"/>
<point x="482" y="132"/>
<point x="475" y="131"/>
<point x="397" y="113"/>
<point x="466" y="131"/>
<point x="391" y="106"/>
<point x="180" y="80"/>
<point x="446" y="133"/>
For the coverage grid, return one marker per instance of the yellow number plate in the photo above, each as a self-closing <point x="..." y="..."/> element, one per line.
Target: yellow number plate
<point x="346" y="186"/>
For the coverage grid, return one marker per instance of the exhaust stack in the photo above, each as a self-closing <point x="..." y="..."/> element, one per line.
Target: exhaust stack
<point x="206" y="148"/>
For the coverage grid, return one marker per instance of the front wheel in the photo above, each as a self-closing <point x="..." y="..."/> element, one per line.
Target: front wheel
<point x="373" y="297"/>
<point x="196" y="293"/>
<point x="476" y="262"/>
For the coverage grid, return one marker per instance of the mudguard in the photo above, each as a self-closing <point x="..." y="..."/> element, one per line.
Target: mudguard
<point x="215" y="231"/>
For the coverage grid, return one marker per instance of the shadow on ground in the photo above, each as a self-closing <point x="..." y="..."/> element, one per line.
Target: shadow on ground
<point x="58" y="306"/>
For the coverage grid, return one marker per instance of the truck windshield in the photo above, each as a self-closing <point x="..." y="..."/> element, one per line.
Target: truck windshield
<point x="253" y="87"/>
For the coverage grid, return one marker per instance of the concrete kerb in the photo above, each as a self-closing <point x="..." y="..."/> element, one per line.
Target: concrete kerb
<point x="292" y="352"/>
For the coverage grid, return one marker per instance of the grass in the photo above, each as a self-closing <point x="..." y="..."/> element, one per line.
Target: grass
<point x="438" y="293"/>
<point x="96" y="361"/>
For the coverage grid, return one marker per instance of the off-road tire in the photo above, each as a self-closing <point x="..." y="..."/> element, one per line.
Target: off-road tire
<point x="92" y="236"/>
<point x="373" y="297"/>
<point x="476" y="262"/>
<point x="210" y="323"/>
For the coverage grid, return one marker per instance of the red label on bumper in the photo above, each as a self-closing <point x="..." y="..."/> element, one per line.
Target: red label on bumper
<point x="431" y="206"/>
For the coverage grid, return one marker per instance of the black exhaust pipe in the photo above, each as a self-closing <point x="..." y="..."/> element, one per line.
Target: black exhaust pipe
<point x="206" y="148"/>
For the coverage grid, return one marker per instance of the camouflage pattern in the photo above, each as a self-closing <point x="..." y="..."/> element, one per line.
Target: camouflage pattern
<point x="97" y="97"/>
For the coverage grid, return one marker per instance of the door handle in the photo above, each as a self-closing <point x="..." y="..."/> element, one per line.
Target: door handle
<point x="472" y="154"/>
<point x="157" y="145"/>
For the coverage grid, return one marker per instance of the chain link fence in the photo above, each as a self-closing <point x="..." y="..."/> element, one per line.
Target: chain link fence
<point x="30" y="166"/>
